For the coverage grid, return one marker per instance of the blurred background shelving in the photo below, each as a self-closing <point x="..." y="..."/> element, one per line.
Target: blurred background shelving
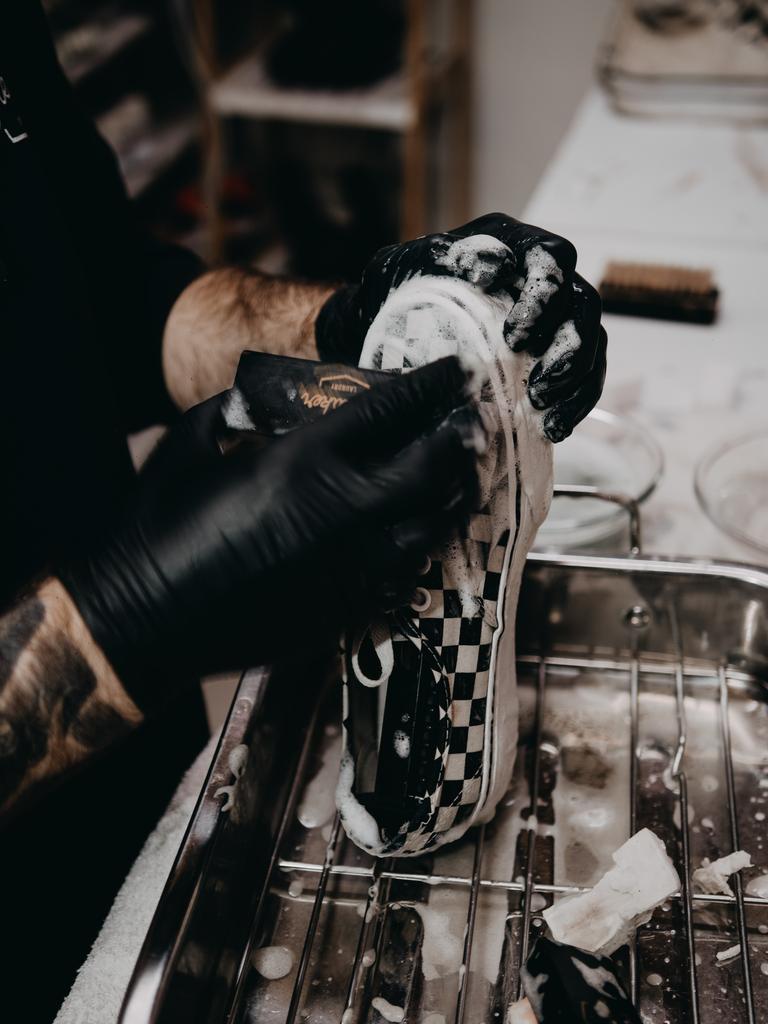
<point x="230" y="157"/>
<point x="225" y="148"/>
<point x="346" y="152"/>
<point x="124" y="62"/>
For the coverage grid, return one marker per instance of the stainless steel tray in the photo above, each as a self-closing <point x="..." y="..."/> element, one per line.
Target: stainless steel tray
<point x="643" y="702"/>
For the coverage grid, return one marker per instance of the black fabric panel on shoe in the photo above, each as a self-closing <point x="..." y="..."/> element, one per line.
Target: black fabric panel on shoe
<point x="411" y="709"/>
<point x="368" y="659"/>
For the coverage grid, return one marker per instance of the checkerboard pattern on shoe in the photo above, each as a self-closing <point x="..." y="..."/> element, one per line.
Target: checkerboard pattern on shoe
<point x="447" y="647"/>
<point x="460" y="655"/>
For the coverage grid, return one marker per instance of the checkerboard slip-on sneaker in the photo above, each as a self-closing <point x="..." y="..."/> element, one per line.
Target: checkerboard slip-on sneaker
<point x="430" y="702"/>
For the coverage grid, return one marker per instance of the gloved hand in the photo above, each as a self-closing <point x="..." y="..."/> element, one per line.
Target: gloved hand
<point x="499" y="254"/>
<point x="225" y="560"/>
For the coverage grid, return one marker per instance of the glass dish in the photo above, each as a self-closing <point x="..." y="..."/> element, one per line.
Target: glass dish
<point x="611" y="453"/>
<point x="731" y="485"/>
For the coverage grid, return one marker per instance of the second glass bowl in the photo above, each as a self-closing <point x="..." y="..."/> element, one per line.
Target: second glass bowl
<point x="731" y="485"/>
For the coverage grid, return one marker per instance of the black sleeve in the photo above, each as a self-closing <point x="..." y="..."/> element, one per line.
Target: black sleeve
<point x="131" y="281"/>
<point x="159" y="275"/>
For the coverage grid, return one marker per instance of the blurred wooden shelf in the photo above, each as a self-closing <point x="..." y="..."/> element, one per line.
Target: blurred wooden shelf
<point x="426" y="104"/>
<point x="89" y="47"/>
<point x="248" y="91"/>
<point x="144" y="162"/>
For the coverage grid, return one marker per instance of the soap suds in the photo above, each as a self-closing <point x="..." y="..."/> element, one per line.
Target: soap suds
<point x="521" y="1012"/>
<point x="235" y="411"/>
<point x="402" y="743"/>
<point x="236" y="761"/>
<point x="713" y="877"/>
<point x="441" y="950"/>
<point x="476" y="259"/>
<point x="393" y="1014"/>
<point x="359" y="824"/>
<point x="229" y="793"/>
<point x="238" y="757"/>
<point x="758" y="887"/>
<point x="601" y="920"/>
<point x="317" y="806"/>
<point x="565" y="342"/>
<point x="543" y="277"/>
<point x="534" y="989"/>
<point x="273" y="962"/>
<point x="599" y="979"/>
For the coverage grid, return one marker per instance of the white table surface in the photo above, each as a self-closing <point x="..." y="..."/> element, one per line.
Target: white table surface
<point x="670" y="192"/>
<point x="619" y="188"/>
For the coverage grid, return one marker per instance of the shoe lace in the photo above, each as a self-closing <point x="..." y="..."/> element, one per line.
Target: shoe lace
<point x="379" y="632"/>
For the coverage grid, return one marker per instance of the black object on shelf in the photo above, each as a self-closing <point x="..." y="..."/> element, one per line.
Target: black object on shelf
<point x="338" y="44"/>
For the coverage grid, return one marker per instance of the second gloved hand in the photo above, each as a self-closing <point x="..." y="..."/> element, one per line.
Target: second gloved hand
<point x="554" y="314"/>
<point x="226" y="560"/>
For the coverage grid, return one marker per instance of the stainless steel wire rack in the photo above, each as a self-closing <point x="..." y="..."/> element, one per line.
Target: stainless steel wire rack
<point x="642" y="685"/>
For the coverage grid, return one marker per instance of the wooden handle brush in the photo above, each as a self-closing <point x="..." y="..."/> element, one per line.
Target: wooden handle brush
<point x="663" y="292"/>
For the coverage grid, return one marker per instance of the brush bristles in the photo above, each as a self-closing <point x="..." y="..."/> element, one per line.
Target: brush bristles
<point x="655" y="290"/>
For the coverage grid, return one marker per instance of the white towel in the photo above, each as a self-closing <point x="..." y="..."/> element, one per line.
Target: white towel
<point x="98" y="991"/>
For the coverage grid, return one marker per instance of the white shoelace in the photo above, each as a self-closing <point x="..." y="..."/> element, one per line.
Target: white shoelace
<point x="381" y="637"/>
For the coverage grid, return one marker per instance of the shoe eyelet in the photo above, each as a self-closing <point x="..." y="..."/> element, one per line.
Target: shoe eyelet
<point x="425" y="567"/>
<point x="421" y="599"/>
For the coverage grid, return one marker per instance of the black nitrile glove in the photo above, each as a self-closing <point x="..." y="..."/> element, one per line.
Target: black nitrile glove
<point x="225" y="560"/>
<point x="565" y="985"/>
<point x="499" y="254"/>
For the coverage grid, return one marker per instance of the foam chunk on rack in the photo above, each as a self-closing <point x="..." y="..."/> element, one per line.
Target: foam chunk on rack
<point x="602" y="920"/>
<point x="714" y="877"/>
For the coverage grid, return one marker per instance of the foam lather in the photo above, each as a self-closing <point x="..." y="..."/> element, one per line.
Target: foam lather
<point x="431" y="734"/>
<point x="602" y="920"/>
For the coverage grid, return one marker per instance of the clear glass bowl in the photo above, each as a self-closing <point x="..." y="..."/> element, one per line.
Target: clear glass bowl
<point x="731" y="485"/>
<point x="611" y="453"/>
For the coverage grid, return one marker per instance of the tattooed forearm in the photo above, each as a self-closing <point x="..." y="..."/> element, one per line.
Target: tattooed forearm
<point x="59" y="699"/>
<point x="227" y="311"/>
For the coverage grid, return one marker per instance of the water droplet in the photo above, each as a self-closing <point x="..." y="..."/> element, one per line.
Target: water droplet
<point x="654" y="979"/>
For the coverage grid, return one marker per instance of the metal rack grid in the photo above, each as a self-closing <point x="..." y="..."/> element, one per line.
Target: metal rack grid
<point x="675" y="720"/>
<point x="380" y="874"/>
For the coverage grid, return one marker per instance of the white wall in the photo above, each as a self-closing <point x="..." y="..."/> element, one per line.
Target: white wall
<point x="533" y="62"/>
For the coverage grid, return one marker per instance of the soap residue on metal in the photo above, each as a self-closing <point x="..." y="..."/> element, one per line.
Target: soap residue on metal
<point x="390" y="1013"/>
<point x="317" y="807"/>
<point x="758" y="887"/>
<point x="713" y="877"/>
<point x="236" y="761"/>
<point x="441" y="950"/>
<point x="273" y="962"/>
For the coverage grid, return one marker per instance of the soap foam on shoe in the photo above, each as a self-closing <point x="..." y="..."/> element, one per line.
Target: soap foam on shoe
<point x="469" y="730"/>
